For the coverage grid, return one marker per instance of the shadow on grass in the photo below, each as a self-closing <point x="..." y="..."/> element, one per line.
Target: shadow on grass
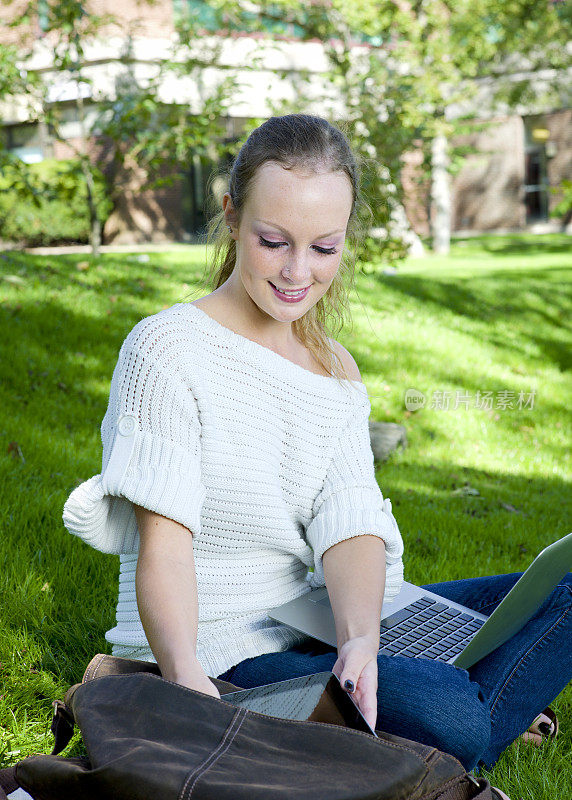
<point x="494" y="295"/>
<point x="55" y="350"/>
<point x="513" y="245"/>
<point x="539" y="300"/>
<point x="449" y="535"/>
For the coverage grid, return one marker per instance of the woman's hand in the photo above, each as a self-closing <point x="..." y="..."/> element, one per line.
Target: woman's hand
<point x="194" y="677"/>
<point x="357" y="662"/>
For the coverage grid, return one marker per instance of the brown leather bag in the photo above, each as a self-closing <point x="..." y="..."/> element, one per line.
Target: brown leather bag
<point x="150" y="739"/>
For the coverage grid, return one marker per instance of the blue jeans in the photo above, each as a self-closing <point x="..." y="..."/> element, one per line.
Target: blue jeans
<point x="472" y="714"/>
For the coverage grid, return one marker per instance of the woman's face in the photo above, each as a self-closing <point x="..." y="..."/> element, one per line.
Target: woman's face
<point x="291" y="236"/>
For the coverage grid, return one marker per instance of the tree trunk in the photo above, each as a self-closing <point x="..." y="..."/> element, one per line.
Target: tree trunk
<point x="95" y="236"/>
<point x="402" y="228"/>
<point x="440" y="196"/>
<point x="94" y="221"/>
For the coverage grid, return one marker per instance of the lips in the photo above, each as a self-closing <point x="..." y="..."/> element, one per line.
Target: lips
<point x="290" y="291"/>
<point x="290" y="298"/>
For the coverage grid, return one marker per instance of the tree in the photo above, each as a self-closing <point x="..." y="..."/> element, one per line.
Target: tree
<point x="408" y="73"/>
<point x="70" y="28"/>
<point x="431" y="57"/>
<point x="132" y="121"/>
<point x="14" y="82"/>
<point x="435" y="56"/>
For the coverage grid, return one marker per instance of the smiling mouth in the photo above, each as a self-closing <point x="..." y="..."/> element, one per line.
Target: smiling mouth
<point x="289" y="291"/>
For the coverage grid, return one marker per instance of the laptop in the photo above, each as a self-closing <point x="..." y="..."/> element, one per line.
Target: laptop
<point x="420" y="624"/>
<point x="298" y="698"/>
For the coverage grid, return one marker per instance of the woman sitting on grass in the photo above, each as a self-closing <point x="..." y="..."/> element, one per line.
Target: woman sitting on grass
<point x="236" y="458"/>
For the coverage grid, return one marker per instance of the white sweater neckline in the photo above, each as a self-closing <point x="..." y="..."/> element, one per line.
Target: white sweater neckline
<point x="267" y="357"/>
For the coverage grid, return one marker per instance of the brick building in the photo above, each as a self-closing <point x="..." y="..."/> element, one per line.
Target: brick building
<point x="504" y="184"/>
<point x="507" y="183"/>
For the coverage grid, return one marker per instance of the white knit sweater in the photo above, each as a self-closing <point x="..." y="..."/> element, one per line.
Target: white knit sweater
<point x="267" y="463"/>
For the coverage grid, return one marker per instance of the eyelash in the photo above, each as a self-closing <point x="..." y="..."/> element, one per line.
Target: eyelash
<point x="323" y="251"/>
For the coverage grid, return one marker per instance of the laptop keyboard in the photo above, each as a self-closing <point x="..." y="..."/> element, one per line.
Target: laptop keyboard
<point x="427" y="629"/>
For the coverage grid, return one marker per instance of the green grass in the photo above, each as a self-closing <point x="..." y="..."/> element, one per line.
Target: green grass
<point x="494" y="317"/>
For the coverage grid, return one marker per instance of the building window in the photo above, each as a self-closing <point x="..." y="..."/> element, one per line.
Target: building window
<point x="24" y="141"/>
<point x="535" y="170"/>
<point x="200" y="180"/>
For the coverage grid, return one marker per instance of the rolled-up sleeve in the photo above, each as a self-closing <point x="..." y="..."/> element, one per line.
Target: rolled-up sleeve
<point x="151" y="437"/>
<point x="351" y="504"/>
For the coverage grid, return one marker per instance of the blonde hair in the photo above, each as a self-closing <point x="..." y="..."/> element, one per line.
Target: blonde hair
<point x="294" y="141"/>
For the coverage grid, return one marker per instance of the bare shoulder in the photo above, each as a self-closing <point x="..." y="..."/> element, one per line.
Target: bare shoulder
<point x="347" y="360"/>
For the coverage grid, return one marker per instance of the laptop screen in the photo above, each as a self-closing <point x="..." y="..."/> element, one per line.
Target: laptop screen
<point x="298" y="699"/>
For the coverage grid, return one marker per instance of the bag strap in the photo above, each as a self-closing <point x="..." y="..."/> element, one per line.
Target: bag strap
<point x="62" y="727"/>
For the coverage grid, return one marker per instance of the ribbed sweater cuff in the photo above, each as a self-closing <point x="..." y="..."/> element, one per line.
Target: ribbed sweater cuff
<point x="349" y="513"/>
<point x="143" y="469"/>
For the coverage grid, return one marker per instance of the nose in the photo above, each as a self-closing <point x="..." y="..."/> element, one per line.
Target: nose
<point x="297" y="270"/>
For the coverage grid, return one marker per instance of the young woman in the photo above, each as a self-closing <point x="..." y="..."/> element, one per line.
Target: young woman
<point x="237" y="474"/>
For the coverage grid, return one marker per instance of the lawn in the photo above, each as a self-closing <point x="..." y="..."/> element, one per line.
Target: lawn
<point x="482" y="336"/>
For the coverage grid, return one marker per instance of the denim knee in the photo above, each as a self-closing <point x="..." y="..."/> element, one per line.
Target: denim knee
<point x="434" y="703"/>
<point x="463" y="728"/>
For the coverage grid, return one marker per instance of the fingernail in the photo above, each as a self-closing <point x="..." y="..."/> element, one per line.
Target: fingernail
<point x="349" y="686"/>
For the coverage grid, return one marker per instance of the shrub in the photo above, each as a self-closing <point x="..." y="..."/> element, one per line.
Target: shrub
<point x="564" y="207"/>
<point x="46" y="203"/>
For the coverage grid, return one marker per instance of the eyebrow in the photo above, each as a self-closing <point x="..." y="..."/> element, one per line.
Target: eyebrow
<point x="280" y="228"/>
